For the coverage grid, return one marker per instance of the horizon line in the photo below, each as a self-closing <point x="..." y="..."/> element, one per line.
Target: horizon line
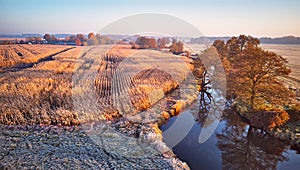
<point x="265" y="36"/>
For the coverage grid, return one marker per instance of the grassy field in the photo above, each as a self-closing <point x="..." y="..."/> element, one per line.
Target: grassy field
<point x="132" y="81"/>
<point x="292" y="53"/>
<point x="45" y="93"/>
<point x="18" y="55"/>
<point x="126" y="82"/>
<point x="41" y="94"/>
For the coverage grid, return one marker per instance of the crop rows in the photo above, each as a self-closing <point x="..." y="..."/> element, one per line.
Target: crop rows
<point x="135" y="87"/>
<point x="39" y="95"/>
<point x="104" y="78"/>
<point x="44" y="94"/>
<point x="15" y="55"/>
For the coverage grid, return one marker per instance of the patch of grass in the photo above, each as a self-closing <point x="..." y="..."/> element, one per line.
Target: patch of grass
<point x="39" y="95"/>
<point x="14" y="55"/>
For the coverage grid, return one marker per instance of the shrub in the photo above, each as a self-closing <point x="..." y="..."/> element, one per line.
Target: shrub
<point x="268" y="119"/>
<point x="294" y="112"/>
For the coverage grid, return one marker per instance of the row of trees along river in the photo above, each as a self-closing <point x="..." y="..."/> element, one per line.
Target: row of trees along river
<point x="258" y="106"/>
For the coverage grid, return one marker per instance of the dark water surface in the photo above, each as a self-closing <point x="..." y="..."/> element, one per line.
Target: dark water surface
<point x="232" y="147"/>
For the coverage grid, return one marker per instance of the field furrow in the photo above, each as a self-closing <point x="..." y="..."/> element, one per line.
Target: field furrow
<point x="87" y="83"/>
<point x="132" y="84"/>
<point x="16" y="55"/>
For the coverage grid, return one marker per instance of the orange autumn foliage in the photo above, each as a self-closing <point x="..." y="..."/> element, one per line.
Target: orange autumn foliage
<point x="269" y="119"/>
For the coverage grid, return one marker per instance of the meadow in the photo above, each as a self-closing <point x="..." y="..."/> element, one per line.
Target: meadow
<point x="20" y="55"/>
<point x="127" y="81"/>
<point x="40" y="94"/>
<point x="124" y="79"/>
<point x="292" y="53"/>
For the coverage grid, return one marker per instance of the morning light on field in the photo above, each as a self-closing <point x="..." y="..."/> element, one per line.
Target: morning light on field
<point x="149" y="84"/>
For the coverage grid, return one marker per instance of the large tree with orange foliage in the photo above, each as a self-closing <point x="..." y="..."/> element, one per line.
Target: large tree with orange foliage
<point x="257" y="73"/>
<point x="254" y="74"/>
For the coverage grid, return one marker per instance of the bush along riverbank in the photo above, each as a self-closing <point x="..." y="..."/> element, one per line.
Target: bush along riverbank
<point x="281" y="124"/>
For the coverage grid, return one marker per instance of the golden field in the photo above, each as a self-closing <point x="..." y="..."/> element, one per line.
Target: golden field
<point x="41" y="94"/>
<point x="14" y="55"/>
<point x="126" y="82"/>
<point x="47" y="92"/>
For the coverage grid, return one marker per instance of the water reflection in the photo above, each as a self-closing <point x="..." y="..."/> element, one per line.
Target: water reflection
<point x="246" y="148"/>
<point x="233" y="145"/>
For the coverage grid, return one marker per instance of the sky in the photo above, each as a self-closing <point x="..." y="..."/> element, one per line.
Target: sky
<point x="260" y="18"/>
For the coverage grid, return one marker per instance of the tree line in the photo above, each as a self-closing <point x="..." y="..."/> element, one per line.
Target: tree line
<point x="254" y="82"/>
<point x="77" y="39"/>
<point x="81" y="39"/>
<point x="143" y="42"/>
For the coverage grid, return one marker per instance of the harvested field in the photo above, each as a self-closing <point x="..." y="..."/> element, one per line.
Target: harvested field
<point x="149" y="86"/>
<point x="133" y="84"/>
<point x="94" y="83"/>
<point x="292" y="53"/>
<point x="87" y="84"/>
<point x="19" y="55"/>
<point x="40" y="95"/>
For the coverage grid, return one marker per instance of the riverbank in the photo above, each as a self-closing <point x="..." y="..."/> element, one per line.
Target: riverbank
<point x="49" y="133"/>
<point x="289" y="132"/>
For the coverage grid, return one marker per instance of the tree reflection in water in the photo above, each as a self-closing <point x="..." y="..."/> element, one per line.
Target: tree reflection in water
<point x="204" y="98"/>
<point x="241" y="147"/>
<point x="246" y="148"/>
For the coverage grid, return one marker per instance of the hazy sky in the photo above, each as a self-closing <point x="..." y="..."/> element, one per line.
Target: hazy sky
<point x="212" y="17"/>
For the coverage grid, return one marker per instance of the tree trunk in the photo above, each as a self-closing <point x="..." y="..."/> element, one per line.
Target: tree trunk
<point x="253" y="93"/>
<point x="252" y="98"/>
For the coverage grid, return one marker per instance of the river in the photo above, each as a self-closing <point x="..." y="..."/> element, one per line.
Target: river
<point x="231" y="146"/>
